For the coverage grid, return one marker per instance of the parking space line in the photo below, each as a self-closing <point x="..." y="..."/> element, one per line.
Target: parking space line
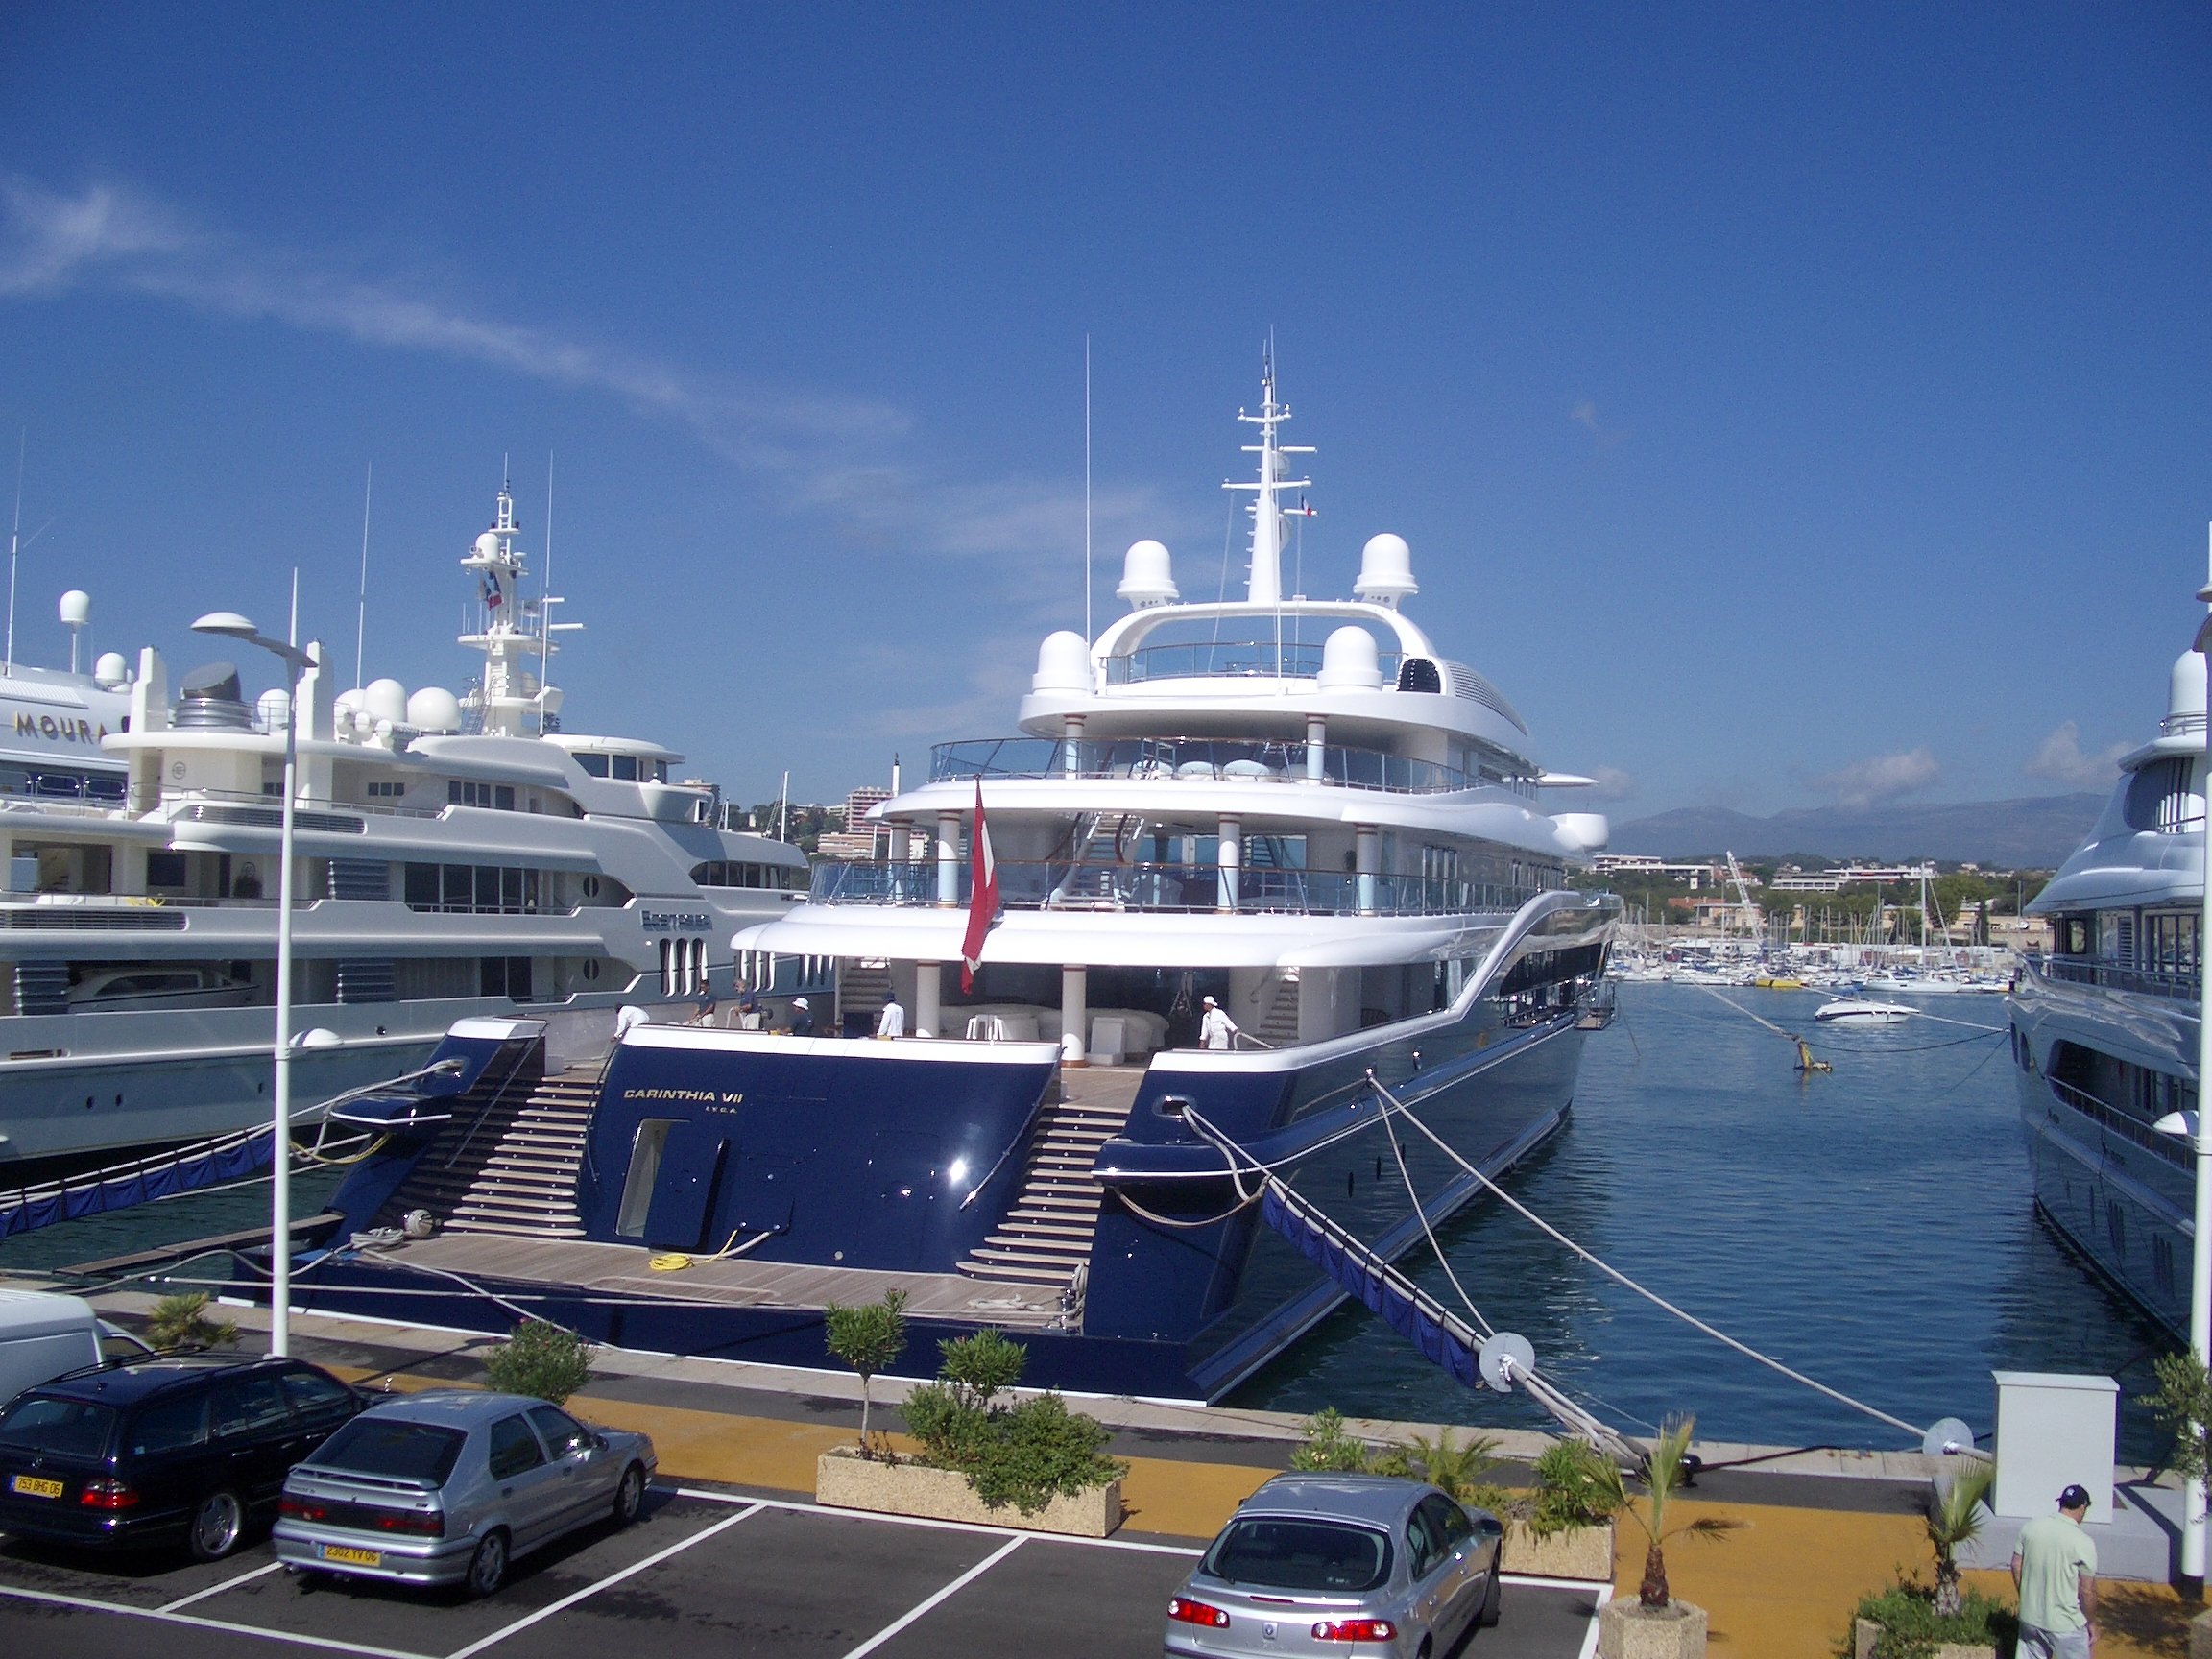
<point x="1590" y="1642"/>
<point x="607" y="1583"/>
<point x="988" y="1531"/>
<point x="218" y="1589"/>
<point x="952" y="1588"/>
<point x="87" y="1604"/>
<point x="1593" y="1585"/>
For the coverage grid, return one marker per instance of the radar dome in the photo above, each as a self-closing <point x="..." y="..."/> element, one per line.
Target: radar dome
<point x="434" y="708"/>
<point x="487" y="546"/>
<point x="272" y="706"/>
<point x="1348" y="661"/>
<point x="385" y="700"/>
<point x="1063" y="662"/>
<point x="76" y="607"/>
<point x="110" y="670"/>
<point x="1147" y="575"/>
<point x="2186" y="690"/>
<point x="1385" y="570"/>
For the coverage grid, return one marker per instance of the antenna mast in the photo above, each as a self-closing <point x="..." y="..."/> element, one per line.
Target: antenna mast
<point x="1265" y="586"/>
<point x="361" y="610"/>
<point x="1086" y="489"/>
<point x="15" y="543"/>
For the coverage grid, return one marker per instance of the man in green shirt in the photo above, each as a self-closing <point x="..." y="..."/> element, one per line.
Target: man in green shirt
<point x="2056" y="1571"/>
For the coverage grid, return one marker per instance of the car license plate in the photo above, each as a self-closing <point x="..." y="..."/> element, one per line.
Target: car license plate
<point x="350" y="1555"/>
<point x="35" y="1486"/>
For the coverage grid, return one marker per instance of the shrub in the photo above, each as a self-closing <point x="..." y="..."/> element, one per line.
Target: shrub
<point x="544" y="1360"/>
<point x="182" y="1322"/>
<point x="1456" y="1468"/>
<point x="1328" y="1450"/>
<point x="870" y="1339"/>
<point x="982" y="1366"/>
<point x="1575" y="1486"/>
<point x="1912" y="1629"/>
<point x="1023" y="1455"/>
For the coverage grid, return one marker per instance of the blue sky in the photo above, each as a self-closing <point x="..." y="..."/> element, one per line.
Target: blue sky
<point x="1784" y="404"/>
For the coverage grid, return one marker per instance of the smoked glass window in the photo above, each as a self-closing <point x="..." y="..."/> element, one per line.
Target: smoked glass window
<point x="652" y="1141"/>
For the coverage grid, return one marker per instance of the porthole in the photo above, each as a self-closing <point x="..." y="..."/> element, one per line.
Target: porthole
<point x="592" y="970"/>
<point x="590" y="886"/>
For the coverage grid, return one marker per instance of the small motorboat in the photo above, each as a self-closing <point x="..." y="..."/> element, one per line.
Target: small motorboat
<point x="1850" y="1011"/>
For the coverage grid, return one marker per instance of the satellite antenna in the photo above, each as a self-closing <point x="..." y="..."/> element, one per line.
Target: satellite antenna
<point x="1502" y="1356"/>
<point x="1947" y="1438"/>
<point x="76" y="613"/>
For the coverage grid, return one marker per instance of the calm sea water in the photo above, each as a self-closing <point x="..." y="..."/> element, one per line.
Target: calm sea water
<point x="1872" y="1227"/>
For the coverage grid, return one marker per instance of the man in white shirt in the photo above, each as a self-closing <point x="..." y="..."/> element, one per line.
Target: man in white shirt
<point x="1216" y="1030"/>
<point x="891" y="1021"/>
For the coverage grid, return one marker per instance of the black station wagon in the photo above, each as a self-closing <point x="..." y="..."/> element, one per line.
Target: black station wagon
<point x="176" y="1449"/>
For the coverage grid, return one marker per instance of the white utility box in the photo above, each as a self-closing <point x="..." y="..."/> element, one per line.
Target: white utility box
<point x="1109" y="1041"/>
<point x="2054" y="1431"/>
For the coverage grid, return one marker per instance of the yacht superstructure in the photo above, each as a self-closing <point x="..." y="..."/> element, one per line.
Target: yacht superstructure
<point x="457" y="856"/>
<point x="2104" y="1027"/>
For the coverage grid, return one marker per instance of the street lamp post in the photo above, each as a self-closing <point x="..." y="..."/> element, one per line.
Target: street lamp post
<point x="2194" y="1502"/>
<point x="231" y="625"/>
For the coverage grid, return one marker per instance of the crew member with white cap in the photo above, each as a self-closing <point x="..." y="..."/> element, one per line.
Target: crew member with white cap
<point x="802" y="1017"/>
<point x="1216" y="1030"/>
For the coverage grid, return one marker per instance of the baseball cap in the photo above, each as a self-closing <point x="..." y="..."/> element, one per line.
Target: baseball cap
<point x="801" y="1003"/>
<point x="1208" y="1001"/>
<point x="2074" y="1497"/>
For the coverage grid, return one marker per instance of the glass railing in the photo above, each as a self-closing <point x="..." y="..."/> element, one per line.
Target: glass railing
<point x="2174" y="1149"/>
<point x="2113" y="976"/>
<point x="1166" y="887"/>
<point x="1207" y="759"/>
<point x="1229" y="658"/>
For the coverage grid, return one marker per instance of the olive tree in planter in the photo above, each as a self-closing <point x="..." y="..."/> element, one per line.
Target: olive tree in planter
<point x="1656" y="1626"/>
<point x="541" y="1359"/>
<point x="868" y="1339"/>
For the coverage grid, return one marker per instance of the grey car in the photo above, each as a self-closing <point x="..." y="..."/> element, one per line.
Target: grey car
<point x="1341" y="1565"/>
<point x="450" y="1487"/>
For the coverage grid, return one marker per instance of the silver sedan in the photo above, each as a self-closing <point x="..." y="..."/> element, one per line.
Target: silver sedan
<point x="1341" y="1565"/>
<point x="450" y="1487"/>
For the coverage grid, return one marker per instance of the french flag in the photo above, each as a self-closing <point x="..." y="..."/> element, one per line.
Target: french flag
<point x="982" y="900"/>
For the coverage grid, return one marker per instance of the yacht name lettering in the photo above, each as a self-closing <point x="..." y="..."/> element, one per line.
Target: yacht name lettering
<point x="706" y="1096"/>
<point x="66" y="730"/>
<point x="674" y="921"/>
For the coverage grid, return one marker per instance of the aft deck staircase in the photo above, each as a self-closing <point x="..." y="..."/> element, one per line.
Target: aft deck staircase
<point x="512" y="1168"/>
<point x="1046" y="1237"/>
<point x="1278" y="1029"/>
<point x="863" y="987"/>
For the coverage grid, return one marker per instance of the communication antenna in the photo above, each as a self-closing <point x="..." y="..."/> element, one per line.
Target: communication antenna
<point x="545" y="585"/>
<point x="15" y="543"/>
<point x="783" y="806"/>
<point x="361" y="610"/>
<point x="1086" y="490"/>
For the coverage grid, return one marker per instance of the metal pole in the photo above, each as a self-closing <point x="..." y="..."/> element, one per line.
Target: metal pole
<point x="2201" y="1241"/>
<point x="280" y="1146"/>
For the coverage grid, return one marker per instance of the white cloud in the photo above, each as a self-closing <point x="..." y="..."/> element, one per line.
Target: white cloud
<point x="2059" y="758"/>
<point x="804" y="445"/>
<point x="1878" y="778"/>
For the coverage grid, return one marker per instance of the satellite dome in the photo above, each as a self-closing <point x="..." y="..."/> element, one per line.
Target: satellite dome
<point x="110" y="670"/>
<point x="76" y="607"/>
<point x="385" y="700"/>
<point x="272" y="707"/>
<point x="1385" y="570"/>
<point x="434" y="708"/>
<point x="487" y="546"/>
<point x="1063" y="662"/>
<point x="1349" y="663"/>
<point x="2187" y="691"/>
<point x="1147" y="575"/>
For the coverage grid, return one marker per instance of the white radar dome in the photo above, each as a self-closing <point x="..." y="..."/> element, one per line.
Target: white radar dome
<point x="2186" y="693"/>
<point x="1385" y="570"/>
<point x="385" y="700"/>
<point x="274" y="706"/>
<point x="1147" y="575"/>
<point x="110" y="670"/>
<point x="1348" y="661"/>
<point x="487" y="546"/>
<point x="434" y="708"/>
<point x="1063" y="664"/>
<point x="76" y="607"/>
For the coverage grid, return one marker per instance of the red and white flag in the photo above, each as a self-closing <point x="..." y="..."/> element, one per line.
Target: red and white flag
<point x="982" y="900"/>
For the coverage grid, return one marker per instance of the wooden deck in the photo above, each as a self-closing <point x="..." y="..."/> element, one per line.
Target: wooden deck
<point x="626" y="1270"/>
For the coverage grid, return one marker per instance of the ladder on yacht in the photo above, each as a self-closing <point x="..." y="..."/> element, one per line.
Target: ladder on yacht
<point x="1046" y="1237"/>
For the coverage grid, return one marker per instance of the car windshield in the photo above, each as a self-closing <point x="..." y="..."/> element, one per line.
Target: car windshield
<point x="59" y="1428"/>
<point x="1285" y="1552"/>
<point x="394" y="1448"/>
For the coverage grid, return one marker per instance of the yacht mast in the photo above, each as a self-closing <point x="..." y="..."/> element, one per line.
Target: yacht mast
<point x="1267" y="579"/>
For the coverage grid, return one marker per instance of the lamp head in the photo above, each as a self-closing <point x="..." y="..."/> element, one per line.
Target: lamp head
<point x="226" y="622"/>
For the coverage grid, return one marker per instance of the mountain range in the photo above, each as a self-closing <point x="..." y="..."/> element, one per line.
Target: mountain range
<point x="2033" y="833"/>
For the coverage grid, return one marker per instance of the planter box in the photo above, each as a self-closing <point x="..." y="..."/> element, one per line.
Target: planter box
<point x="843" y="1480"/>
<point x="1584" y="1553"/>
<point x="1627" y="1631"/>
<point x="1865" y="1632"/>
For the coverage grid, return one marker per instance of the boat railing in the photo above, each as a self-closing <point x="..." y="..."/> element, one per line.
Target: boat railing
<point x="2172" y="1149"/>
<point x="306" y="803"/>
<point x="1273" y="659"/>
<point x="1060" y="885"/>
<point x="2118" y="977"/>
<point x="1210" y="759"/>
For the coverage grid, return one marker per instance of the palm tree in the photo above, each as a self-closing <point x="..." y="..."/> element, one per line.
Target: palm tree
<point x="1662" y="1477"/>
<point x="1954" y="1519"/>
<point x="1456" y="1468"/>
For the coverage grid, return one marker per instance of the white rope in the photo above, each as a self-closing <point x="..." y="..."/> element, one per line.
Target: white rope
<point x="1622" y="1279"/>
<point x="1407" y="1175"/>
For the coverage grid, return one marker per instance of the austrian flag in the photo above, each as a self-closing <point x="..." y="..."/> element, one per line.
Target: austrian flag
<point x="983" y="901"/>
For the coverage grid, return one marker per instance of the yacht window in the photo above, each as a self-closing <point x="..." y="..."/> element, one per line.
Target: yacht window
<point x="503" y="796"/>
<point x="165" y="870"/>
<point x="626" y="767"/>
<point x="595" y="765"/>
<point x="644" y="1175"/>
<point x="385" y="789"/>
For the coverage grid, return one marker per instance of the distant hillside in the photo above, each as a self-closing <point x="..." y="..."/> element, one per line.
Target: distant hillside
<point x="2036" y="833"/>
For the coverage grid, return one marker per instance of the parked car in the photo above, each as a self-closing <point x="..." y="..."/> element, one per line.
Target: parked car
<point x="1340" y="1564"/>
<point x="173" y="1449"/>
<point x="451" y="1487"/>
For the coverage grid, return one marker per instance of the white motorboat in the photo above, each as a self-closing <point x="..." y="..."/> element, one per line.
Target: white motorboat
<point x="1853" y="1011"/>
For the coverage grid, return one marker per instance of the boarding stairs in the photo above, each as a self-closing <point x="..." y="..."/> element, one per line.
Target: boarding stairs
<point x="510" y="1166"/>
<point x="1278" y="1028"/>
<point x="863" y="987"/>
<point x="1046" y="1237"/>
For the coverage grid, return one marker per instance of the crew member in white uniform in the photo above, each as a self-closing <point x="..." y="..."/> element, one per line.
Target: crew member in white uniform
<point x="1216" y="1030"/>
<point x="892" y="1023"/>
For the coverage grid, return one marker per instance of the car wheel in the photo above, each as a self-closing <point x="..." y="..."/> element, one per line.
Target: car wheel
<point x="217" y="1525"/>
<point x="629" y="1496"/>
<point x="488" y="1567"/>
<point x="1491" y="1601"/>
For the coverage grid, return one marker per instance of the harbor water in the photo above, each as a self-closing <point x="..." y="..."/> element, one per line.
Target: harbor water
<point x="1872" y="1227"/>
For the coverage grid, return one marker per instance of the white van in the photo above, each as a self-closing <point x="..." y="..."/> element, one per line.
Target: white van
<point x="42" y="1336"/>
